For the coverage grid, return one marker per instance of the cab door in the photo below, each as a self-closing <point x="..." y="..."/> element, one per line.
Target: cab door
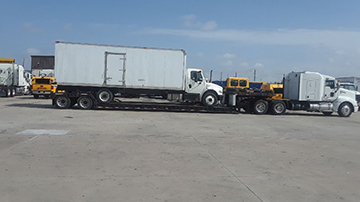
<point x="196" y="83"/>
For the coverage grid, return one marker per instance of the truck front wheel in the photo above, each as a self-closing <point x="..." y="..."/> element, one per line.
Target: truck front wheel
<point x="345" y="110"/>
<point x="209" y="99"/>
<point x="278" y="107"/>
<point x="260" y="107"/>
<point x="62" y="102"/>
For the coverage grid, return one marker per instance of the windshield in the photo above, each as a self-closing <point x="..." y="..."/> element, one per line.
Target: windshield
<point x="349" y="87"/>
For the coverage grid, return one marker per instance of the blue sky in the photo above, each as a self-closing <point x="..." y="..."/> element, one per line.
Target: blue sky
<point x="274" y="37"/>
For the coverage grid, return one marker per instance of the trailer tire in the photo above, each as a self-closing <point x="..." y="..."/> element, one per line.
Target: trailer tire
<point x="260" y="107"/>
<point x="104" y="95"/>
<point x="277" y="107"/>
<point x="345" y="109"/>
<point x="62" y="102"/>
<point x="209" y="99"/>
<point x="85" y="102"/>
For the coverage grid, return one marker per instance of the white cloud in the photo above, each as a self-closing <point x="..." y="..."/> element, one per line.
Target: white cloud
<point x="32" y="51"/>
<point x="227" y="63"/>
<point x="244" y="64"/>
<point x="229" y="56"/>
<point x="191" y="21"/>
<point x="258" y="65"/>
<point x="200" y="54"/>
<point x="211" y="25"/>
<point x="340" y="39"/>
<point x="28" y="27"/>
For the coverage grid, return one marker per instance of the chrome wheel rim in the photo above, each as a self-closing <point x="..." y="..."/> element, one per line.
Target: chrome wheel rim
<point x="260" y="107"/>
<point x="279" y="108"/>
<point x="104" y="96"/>
<point x="62" y="102"/>
<point x="210" y="100"/>
<point x="85" y="103"/>
<point x="345" y="110"/>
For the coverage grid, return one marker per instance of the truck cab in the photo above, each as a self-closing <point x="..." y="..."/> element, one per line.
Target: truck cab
<point x="44" y="86"/>
<point x="198" y="89"/>
<point x="351" y="87"/>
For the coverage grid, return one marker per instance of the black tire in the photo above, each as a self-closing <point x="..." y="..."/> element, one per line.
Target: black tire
<point x="345" y="109"/>
<point x="47" y="96"/>
<point x="7" y="92"/>
<point x="327" y="113"/>
<point x="277" y="107"/>
<point x="104" y="96"/>
<point x="260" y="107"/>
<point x="209" y="99"/>
<point x="36" y="96"/>
<point x="85" y="102"/>
<point x="12" y="92"/>
<point x="62" y="102"/>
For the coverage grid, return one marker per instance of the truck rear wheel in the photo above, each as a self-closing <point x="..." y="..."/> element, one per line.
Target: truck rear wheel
<point x="62" y="102"/>
<point x="260" y="107"/>
<point x="278" y="107"/>
<point x="85" y="102"/>
<point x="209" y="99"/>
<point x="345" y="110"/>
<point x="7" y="92"/>
<point x="105" y="95"/>
<point x="12" y="92"/>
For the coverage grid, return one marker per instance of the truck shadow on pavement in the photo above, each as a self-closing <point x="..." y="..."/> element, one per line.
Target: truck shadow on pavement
<point x="31" y="105"/>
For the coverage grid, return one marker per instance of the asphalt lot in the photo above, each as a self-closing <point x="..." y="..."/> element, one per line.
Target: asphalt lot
<point x="47" y="154"/>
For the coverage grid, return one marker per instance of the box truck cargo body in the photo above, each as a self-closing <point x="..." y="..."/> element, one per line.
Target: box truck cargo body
<point x="102" y="71"/>
<point x="130" y="67"/>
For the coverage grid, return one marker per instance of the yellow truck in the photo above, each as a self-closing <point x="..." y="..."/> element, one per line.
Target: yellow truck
<point x="43" y="86"/>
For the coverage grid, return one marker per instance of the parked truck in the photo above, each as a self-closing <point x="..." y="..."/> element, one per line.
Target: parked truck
<point x="13" y="79"/>
<point x="352" y="87"/>
<point x="92" y="75"/>
<point x="309" y="91"/>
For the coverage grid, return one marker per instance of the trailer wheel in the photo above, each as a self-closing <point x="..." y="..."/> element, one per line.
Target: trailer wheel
<point x="209" y="99"/>
<point x="345" y="110"/>
<point x="105" y="95"/>
<point x="278" y="107"/>
<point x="62" y="102"/>
<point x="260" y="107"/>
<point x="85" y="102"/>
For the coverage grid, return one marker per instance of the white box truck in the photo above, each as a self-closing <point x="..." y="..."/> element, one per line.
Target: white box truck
<point x="13" y="79"/>
<point x="90" y="75"/>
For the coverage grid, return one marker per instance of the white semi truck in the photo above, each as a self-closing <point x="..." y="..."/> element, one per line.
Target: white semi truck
<point x="91" y="75"/>
<point x="13" y="79"/>
<point x="309" y="91"/>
